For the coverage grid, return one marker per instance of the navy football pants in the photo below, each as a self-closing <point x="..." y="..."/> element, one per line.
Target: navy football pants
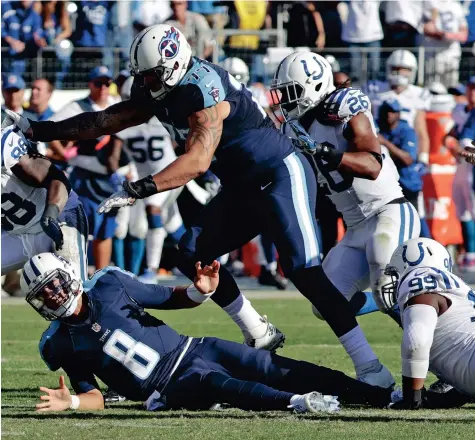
<point x="219" y="371"/>
<point x="282" y="206"/>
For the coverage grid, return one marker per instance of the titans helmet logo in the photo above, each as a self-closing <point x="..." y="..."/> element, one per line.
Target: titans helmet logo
<point x="169" y="44"/>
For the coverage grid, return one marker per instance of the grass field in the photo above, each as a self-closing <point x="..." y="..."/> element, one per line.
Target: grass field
<point x="23" y="372"/>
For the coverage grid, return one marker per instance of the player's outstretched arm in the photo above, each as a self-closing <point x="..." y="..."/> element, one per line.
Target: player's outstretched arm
<point x="39" y="172"/>
<point x="206" y="127"/>
<point x="60" y="399"/>
<point x="90" y="125"/>
<point x="364" y="158"/>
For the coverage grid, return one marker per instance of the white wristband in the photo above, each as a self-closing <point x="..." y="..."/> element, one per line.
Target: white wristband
<point x="196" y="296"/>
<point x="74" y="402"/>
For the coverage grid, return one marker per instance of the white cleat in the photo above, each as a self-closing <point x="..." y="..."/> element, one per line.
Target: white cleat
<point x="376" y="374"/>
<point x="315" y="402"/>
<point x="271" y="340"/>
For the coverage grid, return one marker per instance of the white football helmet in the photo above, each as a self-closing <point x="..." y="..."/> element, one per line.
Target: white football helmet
<point x="237" y="68"/>
<point x="126" y="89"/>
<point x="52" y="272"/>
<point x="301" y="82"/>
<point x="411" y="254"/>
<point x="161" y="50"/>
<point x="401" y="58"/>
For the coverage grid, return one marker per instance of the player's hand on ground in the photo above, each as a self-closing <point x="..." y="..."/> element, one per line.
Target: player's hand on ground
<point x="55" y="400"/>
<point x="116" y="201"/>
<point x="207" y="278"/>
<point x="469" y="154"/>
<point x="21" y="122"/>
<point x="52" y="229"/>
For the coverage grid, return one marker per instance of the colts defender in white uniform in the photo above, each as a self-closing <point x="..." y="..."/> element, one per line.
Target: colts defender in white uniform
<point x="150" y="147"/>
<point x="360" y="180"/>
<point x="438" y="315"/>
<point x="40" y="212"/>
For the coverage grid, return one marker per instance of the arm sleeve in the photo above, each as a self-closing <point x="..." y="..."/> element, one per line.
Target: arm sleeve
<point x="148" y="296"/>
<point x="419" y="322"/>
<point x="81" y="378"/>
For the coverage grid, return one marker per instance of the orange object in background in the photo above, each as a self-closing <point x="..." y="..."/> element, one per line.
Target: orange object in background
<point x="440" y="208"/>
<point x="250" y="258"/>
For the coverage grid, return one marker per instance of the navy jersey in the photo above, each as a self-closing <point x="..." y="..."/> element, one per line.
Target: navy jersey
<point x="249" y="146"/>
<point x="128" y="349"/>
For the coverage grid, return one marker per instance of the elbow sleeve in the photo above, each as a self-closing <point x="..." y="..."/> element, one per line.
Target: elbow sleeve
<point x="420" y="321"/>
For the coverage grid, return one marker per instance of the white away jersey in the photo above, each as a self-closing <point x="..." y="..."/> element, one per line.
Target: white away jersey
<point x="356" y="199"/>
<point x="412" y="99"/>
<point x="22" y="205"/>
<point x="452" y="355"/>
<point x="149" y="146"/>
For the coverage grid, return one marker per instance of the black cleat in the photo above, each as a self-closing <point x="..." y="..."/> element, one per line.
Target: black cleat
<point x="274" y="279"/>
<point x="111" y="396"/>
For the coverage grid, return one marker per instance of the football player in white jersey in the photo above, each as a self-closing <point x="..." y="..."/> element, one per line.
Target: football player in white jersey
<point x="401" y="70"/>
<point x="438" y="316"/>
<point x="40" y="212"/>
<point x="150" y="147"/>
<point x="360" y="179"/>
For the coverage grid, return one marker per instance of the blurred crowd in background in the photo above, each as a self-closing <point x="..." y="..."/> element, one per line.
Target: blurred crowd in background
<point x="53" y="48"/>
<point x="63" y="40"/>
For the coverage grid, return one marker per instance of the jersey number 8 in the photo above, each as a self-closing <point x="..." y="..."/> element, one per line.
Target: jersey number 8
<point x="138" y="358"/>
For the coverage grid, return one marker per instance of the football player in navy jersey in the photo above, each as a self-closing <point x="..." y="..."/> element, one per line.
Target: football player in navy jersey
<point x="268" y="184"/>
<point x="100" y="329"/>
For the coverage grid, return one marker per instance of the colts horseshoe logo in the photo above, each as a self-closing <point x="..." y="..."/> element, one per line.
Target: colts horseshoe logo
<point x="316" y="75"/>
<point x="416" y="262"/>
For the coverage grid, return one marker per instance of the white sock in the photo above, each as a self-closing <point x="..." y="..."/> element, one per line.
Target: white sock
<point x="155" y="239"/>
<point x="357" y="347"/>
<point x="244" y="315"/>
<point x="297" y="400"/>
<point x="272" y="267"/>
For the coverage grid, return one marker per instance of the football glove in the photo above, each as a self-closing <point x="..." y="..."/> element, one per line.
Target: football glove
<point x="51" y="226"/>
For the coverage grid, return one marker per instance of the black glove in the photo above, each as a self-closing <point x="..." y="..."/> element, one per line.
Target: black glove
<point x="51" y="227"/>
<point x="411" y="400"/>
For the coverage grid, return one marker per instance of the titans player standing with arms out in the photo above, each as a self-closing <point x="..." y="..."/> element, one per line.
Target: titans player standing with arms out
<point x="210" y="114"/>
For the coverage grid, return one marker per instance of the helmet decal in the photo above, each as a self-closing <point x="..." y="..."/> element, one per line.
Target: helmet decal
<point x="315" y="77"/>
<point x="416" y="262"/>
<point x="169" y="44"/>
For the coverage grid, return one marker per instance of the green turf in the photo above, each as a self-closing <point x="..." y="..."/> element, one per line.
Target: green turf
<point x="307" y="338"/>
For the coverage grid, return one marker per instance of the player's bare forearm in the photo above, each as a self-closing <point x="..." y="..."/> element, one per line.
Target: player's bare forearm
<point x="39" y="172"/>
<point x="362" y="165"/>
<point x="58" y="194"/>
<point x="92" y="400"/>
<point x="206" y="127"/>
<point x="91" y="125"/>
<point x="360" y="161"/>
<point x="187" y="167"/>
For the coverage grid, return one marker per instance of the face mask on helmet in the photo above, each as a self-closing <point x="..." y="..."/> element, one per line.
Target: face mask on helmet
<point x="56" y="296"/>
<point x="399" y="77"/>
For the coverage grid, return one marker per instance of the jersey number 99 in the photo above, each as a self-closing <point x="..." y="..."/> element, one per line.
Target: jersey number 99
<point x="138" y="358"/>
